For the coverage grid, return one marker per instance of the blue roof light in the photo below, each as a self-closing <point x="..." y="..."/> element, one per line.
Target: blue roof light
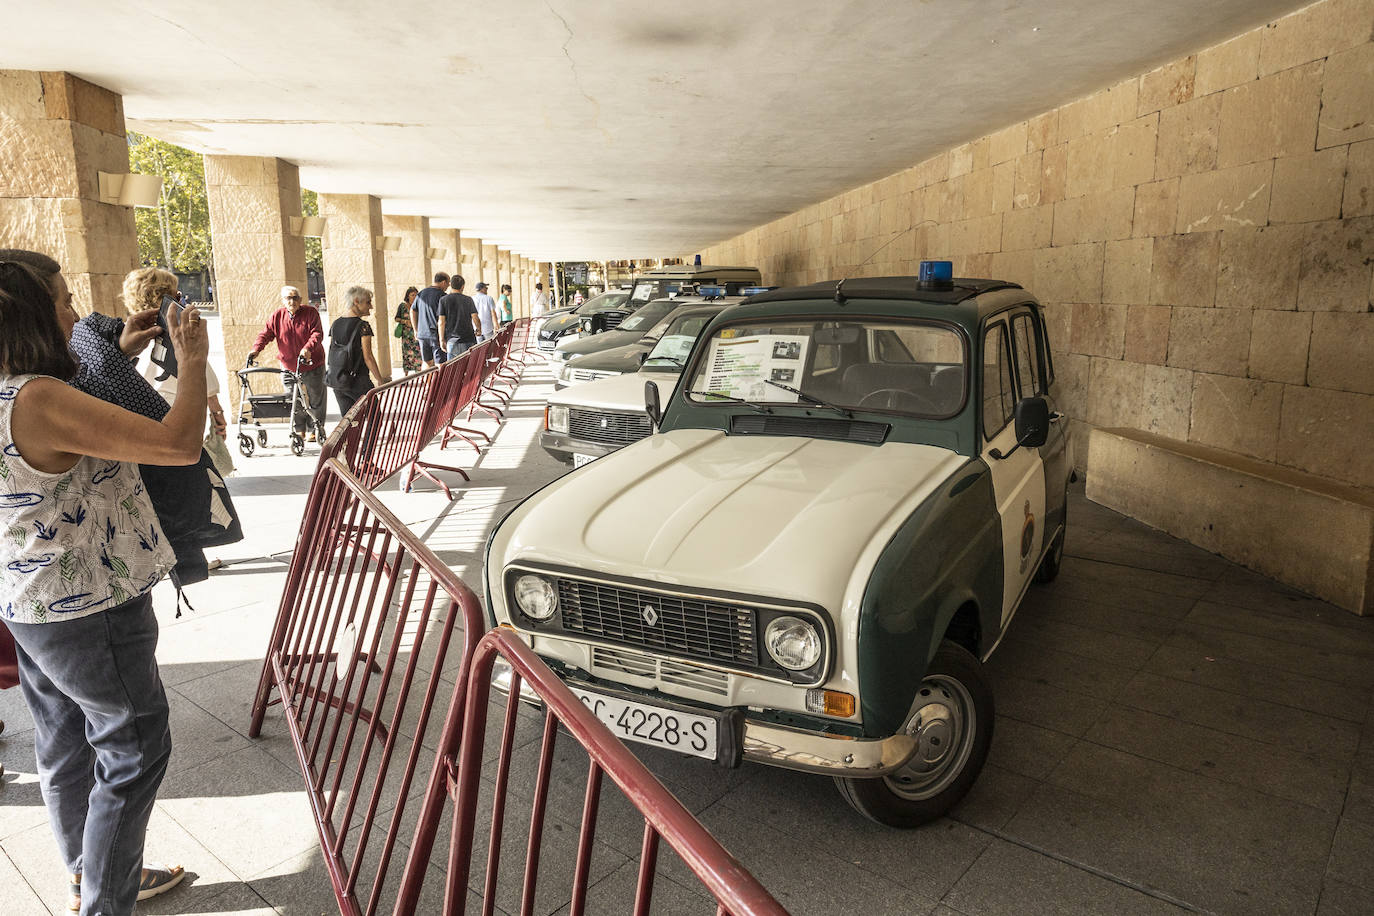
<point x="755" y="290"/>
<point x="711" y="292"/>
<point x="935" y="275"/>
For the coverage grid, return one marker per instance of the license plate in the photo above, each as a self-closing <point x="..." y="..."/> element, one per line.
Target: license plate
<point x="579" y="460"/>
<point x="628" y="720"/>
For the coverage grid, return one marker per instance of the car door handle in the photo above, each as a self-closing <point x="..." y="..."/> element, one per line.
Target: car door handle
<point x="1056" y="416"/>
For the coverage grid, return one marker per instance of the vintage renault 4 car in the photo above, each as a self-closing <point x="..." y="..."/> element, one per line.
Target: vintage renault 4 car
<point x="852" y="488"/>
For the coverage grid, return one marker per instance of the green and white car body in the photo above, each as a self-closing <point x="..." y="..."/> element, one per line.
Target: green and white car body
<point x="831" y="529"/>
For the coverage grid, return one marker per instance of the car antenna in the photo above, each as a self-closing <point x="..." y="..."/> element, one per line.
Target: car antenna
<point x="924" y="222"/>
<point x="839" y="292"/>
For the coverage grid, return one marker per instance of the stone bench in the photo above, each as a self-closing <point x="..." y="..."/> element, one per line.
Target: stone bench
<point x="1302" y="530"/>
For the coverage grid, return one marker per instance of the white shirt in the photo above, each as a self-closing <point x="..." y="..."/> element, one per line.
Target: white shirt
<point x="486" y="310"/>
<point x="538" y="303"/>
<point x="75" y="542"/>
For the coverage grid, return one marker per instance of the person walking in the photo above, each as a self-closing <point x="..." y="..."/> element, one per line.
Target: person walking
<point x="77" y="586"/>
<point x="458" y="322"/>
<point x="405" y="331"/>
<point x="507" y="311"/>
<point x="300" y="348"/>
<point x="352" y="363"/>
<point x="539" y="301"/>
<point x="424" y="313"/>
<point x="486" y="313"/>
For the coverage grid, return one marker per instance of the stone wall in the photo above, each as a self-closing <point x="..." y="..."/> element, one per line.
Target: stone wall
<point x="351" y="258"/>
<point x="1202" y="237"/>
<point x="472" y="260"/>
<point x="405" y="267"/>
<point x="56" y="133"/>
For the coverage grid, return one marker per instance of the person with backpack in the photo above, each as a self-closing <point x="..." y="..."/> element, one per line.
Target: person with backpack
<point x="352" y="366"/>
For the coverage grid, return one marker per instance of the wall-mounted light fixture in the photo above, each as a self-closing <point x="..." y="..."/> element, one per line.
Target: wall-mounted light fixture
<point x="388" y="242"/>
<point x="129" y="190"/>
<point x="437" y="254"/>
<point x="312" y="226"/>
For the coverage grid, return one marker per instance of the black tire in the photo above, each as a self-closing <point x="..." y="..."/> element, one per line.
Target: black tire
<point x="952" y="746"/>
<point x="319" y="433"/>
<point x="1049" y="566"/>
<point x="297" y="444"/>
<point x="245" y="445"/>
<point x="262" y="438"/>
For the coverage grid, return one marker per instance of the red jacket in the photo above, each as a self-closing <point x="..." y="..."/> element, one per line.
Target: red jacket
<point x="294" y="333"/>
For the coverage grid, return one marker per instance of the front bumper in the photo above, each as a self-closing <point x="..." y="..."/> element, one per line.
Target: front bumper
<point x="835" y="755"/>
<point x="563" y="446"/>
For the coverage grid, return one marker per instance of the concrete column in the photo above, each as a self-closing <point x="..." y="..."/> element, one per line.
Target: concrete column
<point x="406" y="266"/>
<point x="504" y="275"/>
<point x="451" y="241"/>
<point x="489" y="262"/>
<point x="351" y="257"/>
<point x="251" y="201"/>
<point x="56" y="133"/>
<point x="472" y="260"/>
<point x="526" y="284"/>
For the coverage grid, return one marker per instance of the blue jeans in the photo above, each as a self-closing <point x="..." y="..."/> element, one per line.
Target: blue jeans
<point x="457" y="348"/>
<point x="430" y="351"/>
<point x="101" y="739"/>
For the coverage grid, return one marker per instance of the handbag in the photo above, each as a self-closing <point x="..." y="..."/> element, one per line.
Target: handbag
<point x="218" y="450"/>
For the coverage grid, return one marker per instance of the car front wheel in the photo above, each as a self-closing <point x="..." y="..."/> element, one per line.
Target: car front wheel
<point x="951" y="721"/>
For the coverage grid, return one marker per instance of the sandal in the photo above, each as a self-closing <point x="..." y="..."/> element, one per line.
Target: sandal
<point x="156" y="879"/>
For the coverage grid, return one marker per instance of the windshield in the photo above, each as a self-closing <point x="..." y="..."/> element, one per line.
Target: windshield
<point x="602" y="303"/>
<point x="644" y="290"/>
<point x="647" y="316"/>
<point x="904" y="367"/>
<point x="676" y="342"/>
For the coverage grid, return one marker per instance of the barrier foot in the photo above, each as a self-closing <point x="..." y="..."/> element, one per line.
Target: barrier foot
<point x="364" y="714"/>
<point x="423" y="469"/>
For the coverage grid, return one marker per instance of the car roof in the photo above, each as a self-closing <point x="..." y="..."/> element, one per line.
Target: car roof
<point x="966" y="299"/>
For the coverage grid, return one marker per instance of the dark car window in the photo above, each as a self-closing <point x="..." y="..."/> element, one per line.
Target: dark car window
<point x="999" y="394"/>
<point x="603" y="303"/>
<point x="647" y="316"/>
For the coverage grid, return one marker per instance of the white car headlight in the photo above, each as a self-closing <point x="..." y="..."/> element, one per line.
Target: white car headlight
<point x="794" y="643"/>
<point x="558" y="418"/>
<point x="536" y="597"/>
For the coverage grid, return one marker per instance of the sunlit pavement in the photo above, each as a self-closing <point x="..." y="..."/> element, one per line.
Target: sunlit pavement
<point x="1174" y="734"/>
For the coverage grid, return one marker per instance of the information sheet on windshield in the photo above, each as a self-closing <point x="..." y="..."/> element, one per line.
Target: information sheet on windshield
<point x="739" y="367"/>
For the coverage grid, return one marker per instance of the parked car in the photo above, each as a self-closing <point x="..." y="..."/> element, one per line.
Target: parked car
<point x="627" y="357"/>
<point x="633" y="328"/>
<point x="566" y="324"/>
<point x="851" y="489"/>
<point x="598" y="417"/>
<point x="678" y="280"/>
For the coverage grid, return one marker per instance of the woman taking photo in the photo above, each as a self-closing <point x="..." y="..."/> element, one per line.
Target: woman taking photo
<point x="75" y="590"/>
<point x="352" y="365"/>
<point x="410" y="347"/>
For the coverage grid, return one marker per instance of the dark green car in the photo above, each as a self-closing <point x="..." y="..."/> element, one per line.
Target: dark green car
<point x="851" y="489"/>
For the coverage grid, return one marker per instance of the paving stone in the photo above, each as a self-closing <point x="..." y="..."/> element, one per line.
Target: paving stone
<point x="1011" y="879"/>
<point x="20" y="898"/>
<point x="1351" y="852"/>
<point x="1217" y="846"/>
<point x="1341" y="899"/>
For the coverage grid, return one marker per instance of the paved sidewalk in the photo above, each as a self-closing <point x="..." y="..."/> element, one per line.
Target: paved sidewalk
<point x="1174" y="734"/>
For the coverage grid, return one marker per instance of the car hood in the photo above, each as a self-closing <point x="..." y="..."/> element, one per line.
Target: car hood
<point x="617" y="392"/>
<point x="785" y="517"/>
<point x="625" y="358"/>
<point x="561" y="321"/>
<point x="595" y="343"/>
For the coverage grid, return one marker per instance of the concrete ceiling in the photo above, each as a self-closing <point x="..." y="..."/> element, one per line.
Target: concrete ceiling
<point x="573" y="129"/>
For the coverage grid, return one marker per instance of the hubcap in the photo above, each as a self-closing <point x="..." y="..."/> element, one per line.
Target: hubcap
<point x="943" y="724"/>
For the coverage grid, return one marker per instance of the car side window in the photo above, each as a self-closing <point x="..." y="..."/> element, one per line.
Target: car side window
<point x="999" y="394"/>
<point x="1027" y="356"/>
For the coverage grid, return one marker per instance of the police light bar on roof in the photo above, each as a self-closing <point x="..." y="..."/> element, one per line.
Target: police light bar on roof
<point x="755" y="290"/>
<point x="935" y="275"/>
<point x="710" y="292"/>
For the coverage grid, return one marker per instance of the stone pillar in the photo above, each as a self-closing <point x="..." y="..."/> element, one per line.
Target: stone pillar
<point x="546" y="277"/>
<point x="471" y="260"/>
<point x="251" y="201"/>
<point x="503" y="270"/>
<point x="525" y="286"/>
<point x="451" y="241"/>
<point x="489" y="262"/>
<point x="405" y="267"/>
<point x="56" y="133"/>
<point x="351" y="258"/>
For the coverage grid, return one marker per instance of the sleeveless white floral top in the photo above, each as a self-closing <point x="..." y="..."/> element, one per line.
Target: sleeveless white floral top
<point x="74" y="543"/>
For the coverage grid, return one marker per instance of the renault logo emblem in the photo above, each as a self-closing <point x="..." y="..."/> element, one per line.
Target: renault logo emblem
<point x="649" y="614"/>
<point x="604" y="422"/>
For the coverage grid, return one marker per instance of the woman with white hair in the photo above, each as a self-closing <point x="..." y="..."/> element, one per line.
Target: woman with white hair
<point x="352" y="365"/>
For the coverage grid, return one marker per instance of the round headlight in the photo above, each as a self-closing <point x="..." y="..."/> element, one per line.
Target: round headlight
<point x="794" y="643"/>
<point x="536" y="597"/>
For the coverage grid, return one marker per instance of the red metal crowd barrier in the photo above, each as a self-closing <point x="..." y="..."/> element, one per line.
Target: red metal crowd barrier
<point x="392" y="424"/>
<point x="381" y="687"/>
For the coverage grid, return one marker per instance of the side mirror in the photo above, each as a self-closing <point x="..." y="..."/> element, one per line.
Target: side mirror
<point x="651" y="405"/>
<point x="643" y="356"/>
<point x="1032" y="419"/>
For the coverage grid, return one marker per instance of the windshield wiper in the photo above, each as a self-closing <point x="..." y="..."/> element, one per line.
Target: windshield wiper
<point x="811" y="398"/>
<point x="675" y="361"/>
<point x="761" y="408"/>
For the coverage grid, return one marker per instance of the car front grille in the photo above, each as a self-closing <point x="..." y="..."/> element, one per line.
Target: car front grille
<point x="588" y="375"/>
<point x="691" y="627"/>
<point x="607" y="427"/>
<point x="613" y="320"/>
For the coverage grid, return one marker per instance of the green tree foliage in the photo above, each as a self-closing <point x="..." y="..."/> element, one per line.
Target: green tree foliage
<point x="314" y="249"/>
<point x="175" y="234"/>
